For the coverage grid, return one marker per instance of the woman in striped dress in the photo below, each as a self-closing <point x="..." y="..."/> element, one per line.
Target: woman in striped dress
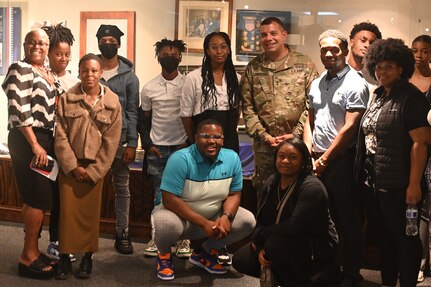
<point x="32" y="91"/>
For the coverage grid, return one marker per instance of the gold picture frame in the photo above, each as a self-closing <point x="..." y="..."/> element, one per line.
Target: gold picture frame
<point x="194" y="19"/>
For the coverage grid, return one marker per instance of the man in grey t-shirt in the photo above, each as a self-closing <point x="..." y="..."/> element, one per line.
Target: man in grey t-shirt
<point x="338" y="98"/>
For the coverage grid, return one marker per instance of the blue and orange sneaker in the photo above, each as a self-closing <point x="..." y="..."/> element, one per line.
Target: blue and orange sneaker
<point x="207" y="262"/>
<point x="165" y="266"/>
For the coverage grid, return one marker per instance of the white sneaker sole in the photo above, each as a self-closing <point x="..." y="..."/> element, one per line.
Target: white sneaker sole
<point x="166" y="278"/>
<point x="150" y="254"/>
<point x="225" y="262"/>
<point x="183" y="255"/>
<point x="421" y="277"/>
<point x="52" y="256"/>
<point x="197" y="263"/>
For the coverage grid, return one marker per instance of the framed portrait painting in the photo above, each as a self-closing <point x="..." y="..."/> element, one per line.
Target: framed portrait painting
<point x="194" y="19"/>
<point x="90" y="23"/>
<point x="247" y="29"/>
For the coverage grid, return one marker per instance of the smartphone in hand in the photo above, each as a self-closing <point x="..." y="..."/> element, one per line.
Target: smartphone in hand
<point x="47" y="168"/>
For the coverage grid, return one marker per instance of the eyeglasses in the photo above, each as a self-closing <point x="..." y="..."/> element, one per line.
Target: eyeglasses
<point x="208" y="136"/>
<point x="217" y="47"/>
<point x="34" y="43"/>
<point x="385" y="68"/>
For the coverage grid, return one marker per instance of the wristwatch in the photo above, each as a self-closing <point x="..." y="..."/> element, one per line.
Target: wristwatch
<point x="229" y="216"/>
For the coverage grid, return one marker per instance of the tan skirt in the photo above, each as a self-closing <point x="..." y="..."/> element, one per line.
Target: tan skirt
<point x="80" y="205"/>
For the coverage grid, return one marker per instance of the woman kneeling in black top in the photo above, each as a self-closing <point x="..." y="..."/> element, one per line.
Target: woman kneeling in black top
<point x="294" y="237"/>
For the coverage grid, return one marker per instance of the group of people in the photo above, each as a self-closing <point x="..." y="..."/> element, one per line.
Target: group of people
<point x="200" y="27"/>
<point x="368" y="143"/>
<point x="87" y="126"/>
<point x="324" y="148"/>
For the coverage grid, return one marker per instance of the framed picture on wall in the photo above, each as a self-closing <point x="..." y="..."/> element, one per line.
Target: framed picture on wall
<point x="90" y="23"/>
<point x="196" y="19"/>
<point x="247" y="29"/>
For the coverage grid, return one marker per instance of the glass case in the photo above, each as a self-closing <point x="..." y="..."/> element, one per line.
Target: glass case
<point x="192" y="19"/>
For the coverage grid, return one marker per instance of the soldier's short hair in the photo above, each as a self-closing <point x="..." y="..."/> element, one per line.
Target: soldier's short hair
<point x="270" y="20"/>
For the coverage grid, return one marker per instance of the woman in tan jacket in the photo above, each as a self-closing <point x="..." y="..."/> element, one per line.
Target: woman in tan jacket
<point x="87" y="136"/>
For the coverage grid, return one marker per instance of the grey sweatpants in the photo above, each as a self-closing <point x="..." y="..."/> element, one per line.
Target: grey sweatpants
<point x="170" y="228"/>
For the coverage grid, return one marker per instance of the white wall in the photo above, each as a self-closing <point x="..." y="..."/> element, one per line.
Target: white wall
<point x="155" y="19"/>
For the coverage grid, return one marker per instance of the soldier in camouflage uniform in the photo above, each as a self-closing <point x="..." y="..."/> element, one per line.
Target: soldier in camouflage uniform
<point x="274" y="87"/>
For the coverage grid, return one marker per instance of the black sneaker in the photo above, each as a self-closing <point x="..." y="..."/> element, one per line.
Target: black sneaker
<point x="123" y="244"/>
<point x="223" y="257"/>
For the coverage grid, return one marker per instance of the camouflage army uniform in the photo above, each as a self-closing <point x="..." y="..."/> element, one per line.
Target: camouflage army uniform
<point x="274" y="103"/>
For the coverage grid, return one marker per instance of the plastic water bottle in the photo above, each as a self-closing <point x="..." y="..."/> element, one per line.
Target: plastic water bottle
<point x="411" y="220"/>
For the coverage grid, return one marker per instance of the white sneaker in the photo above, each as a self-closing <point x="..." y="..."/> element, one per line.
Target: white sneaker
<point x="421" y="277"/>
<point x="151" y="249"/>
<point x="223" y="257"/>
<point x="183" y="249"/>
<point x="53" y="251"/>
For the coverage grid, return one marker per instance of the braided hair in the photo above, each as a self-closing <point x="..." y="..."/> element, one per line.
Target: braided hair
<point x="58" y="34"/>
<point x="179" y="44"/>
<point x="209" y="93"/>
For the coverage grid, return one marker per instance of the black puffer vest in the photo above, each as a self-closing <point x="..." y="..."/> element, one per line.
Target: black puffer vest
<point x="392" y="158"/>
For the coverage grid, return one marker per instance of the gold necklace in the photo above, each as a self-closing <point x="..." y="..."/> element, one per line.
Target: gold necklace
<point x="44" y="73"/>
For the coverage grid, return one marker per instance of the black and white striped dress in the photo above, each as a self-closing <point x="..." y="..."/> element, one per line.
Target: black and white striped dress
<point x="31" y="99"/>
<point x="31" y="103"/>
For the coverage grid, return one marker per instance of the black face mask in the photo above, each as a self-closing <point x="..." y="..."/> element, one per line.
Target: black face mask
<point x="169" y="64"/>
<point x="108" y="51"/>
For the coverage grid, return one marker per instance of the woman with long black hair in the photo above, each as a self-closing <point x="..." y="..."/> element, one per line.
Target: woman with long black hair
<point x="212" y="91"/>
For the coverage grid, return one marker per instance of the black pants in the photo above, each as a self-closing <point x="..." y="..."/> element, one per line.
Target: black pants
<point x="54" y="215"/>
<point x="290" y="257"/>
<point x="399" y="253"/>
<point x="345" y="211"/>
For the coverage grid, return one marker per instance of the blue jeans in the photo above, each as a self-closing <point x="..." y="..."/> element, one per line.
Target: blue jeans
<point x="156" y="166"/>
<point x="120" y="178"/>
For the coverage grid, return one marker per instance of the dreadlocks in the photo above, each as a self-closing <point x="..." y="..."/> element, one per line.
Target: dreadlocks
<point x="208" y="87"/>
<point x="179" y="44"/>
<point x="58" y="34"/>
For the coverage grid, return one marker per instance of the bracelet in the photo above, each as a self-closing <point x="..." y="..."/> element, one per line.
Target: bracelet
<point x="229" y="216"/>
<point x="322" y="162"/>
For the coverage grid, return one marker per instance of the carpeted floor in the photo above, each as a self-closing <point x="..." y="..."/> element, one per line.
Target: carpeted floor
<point x="113" y="269"/>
